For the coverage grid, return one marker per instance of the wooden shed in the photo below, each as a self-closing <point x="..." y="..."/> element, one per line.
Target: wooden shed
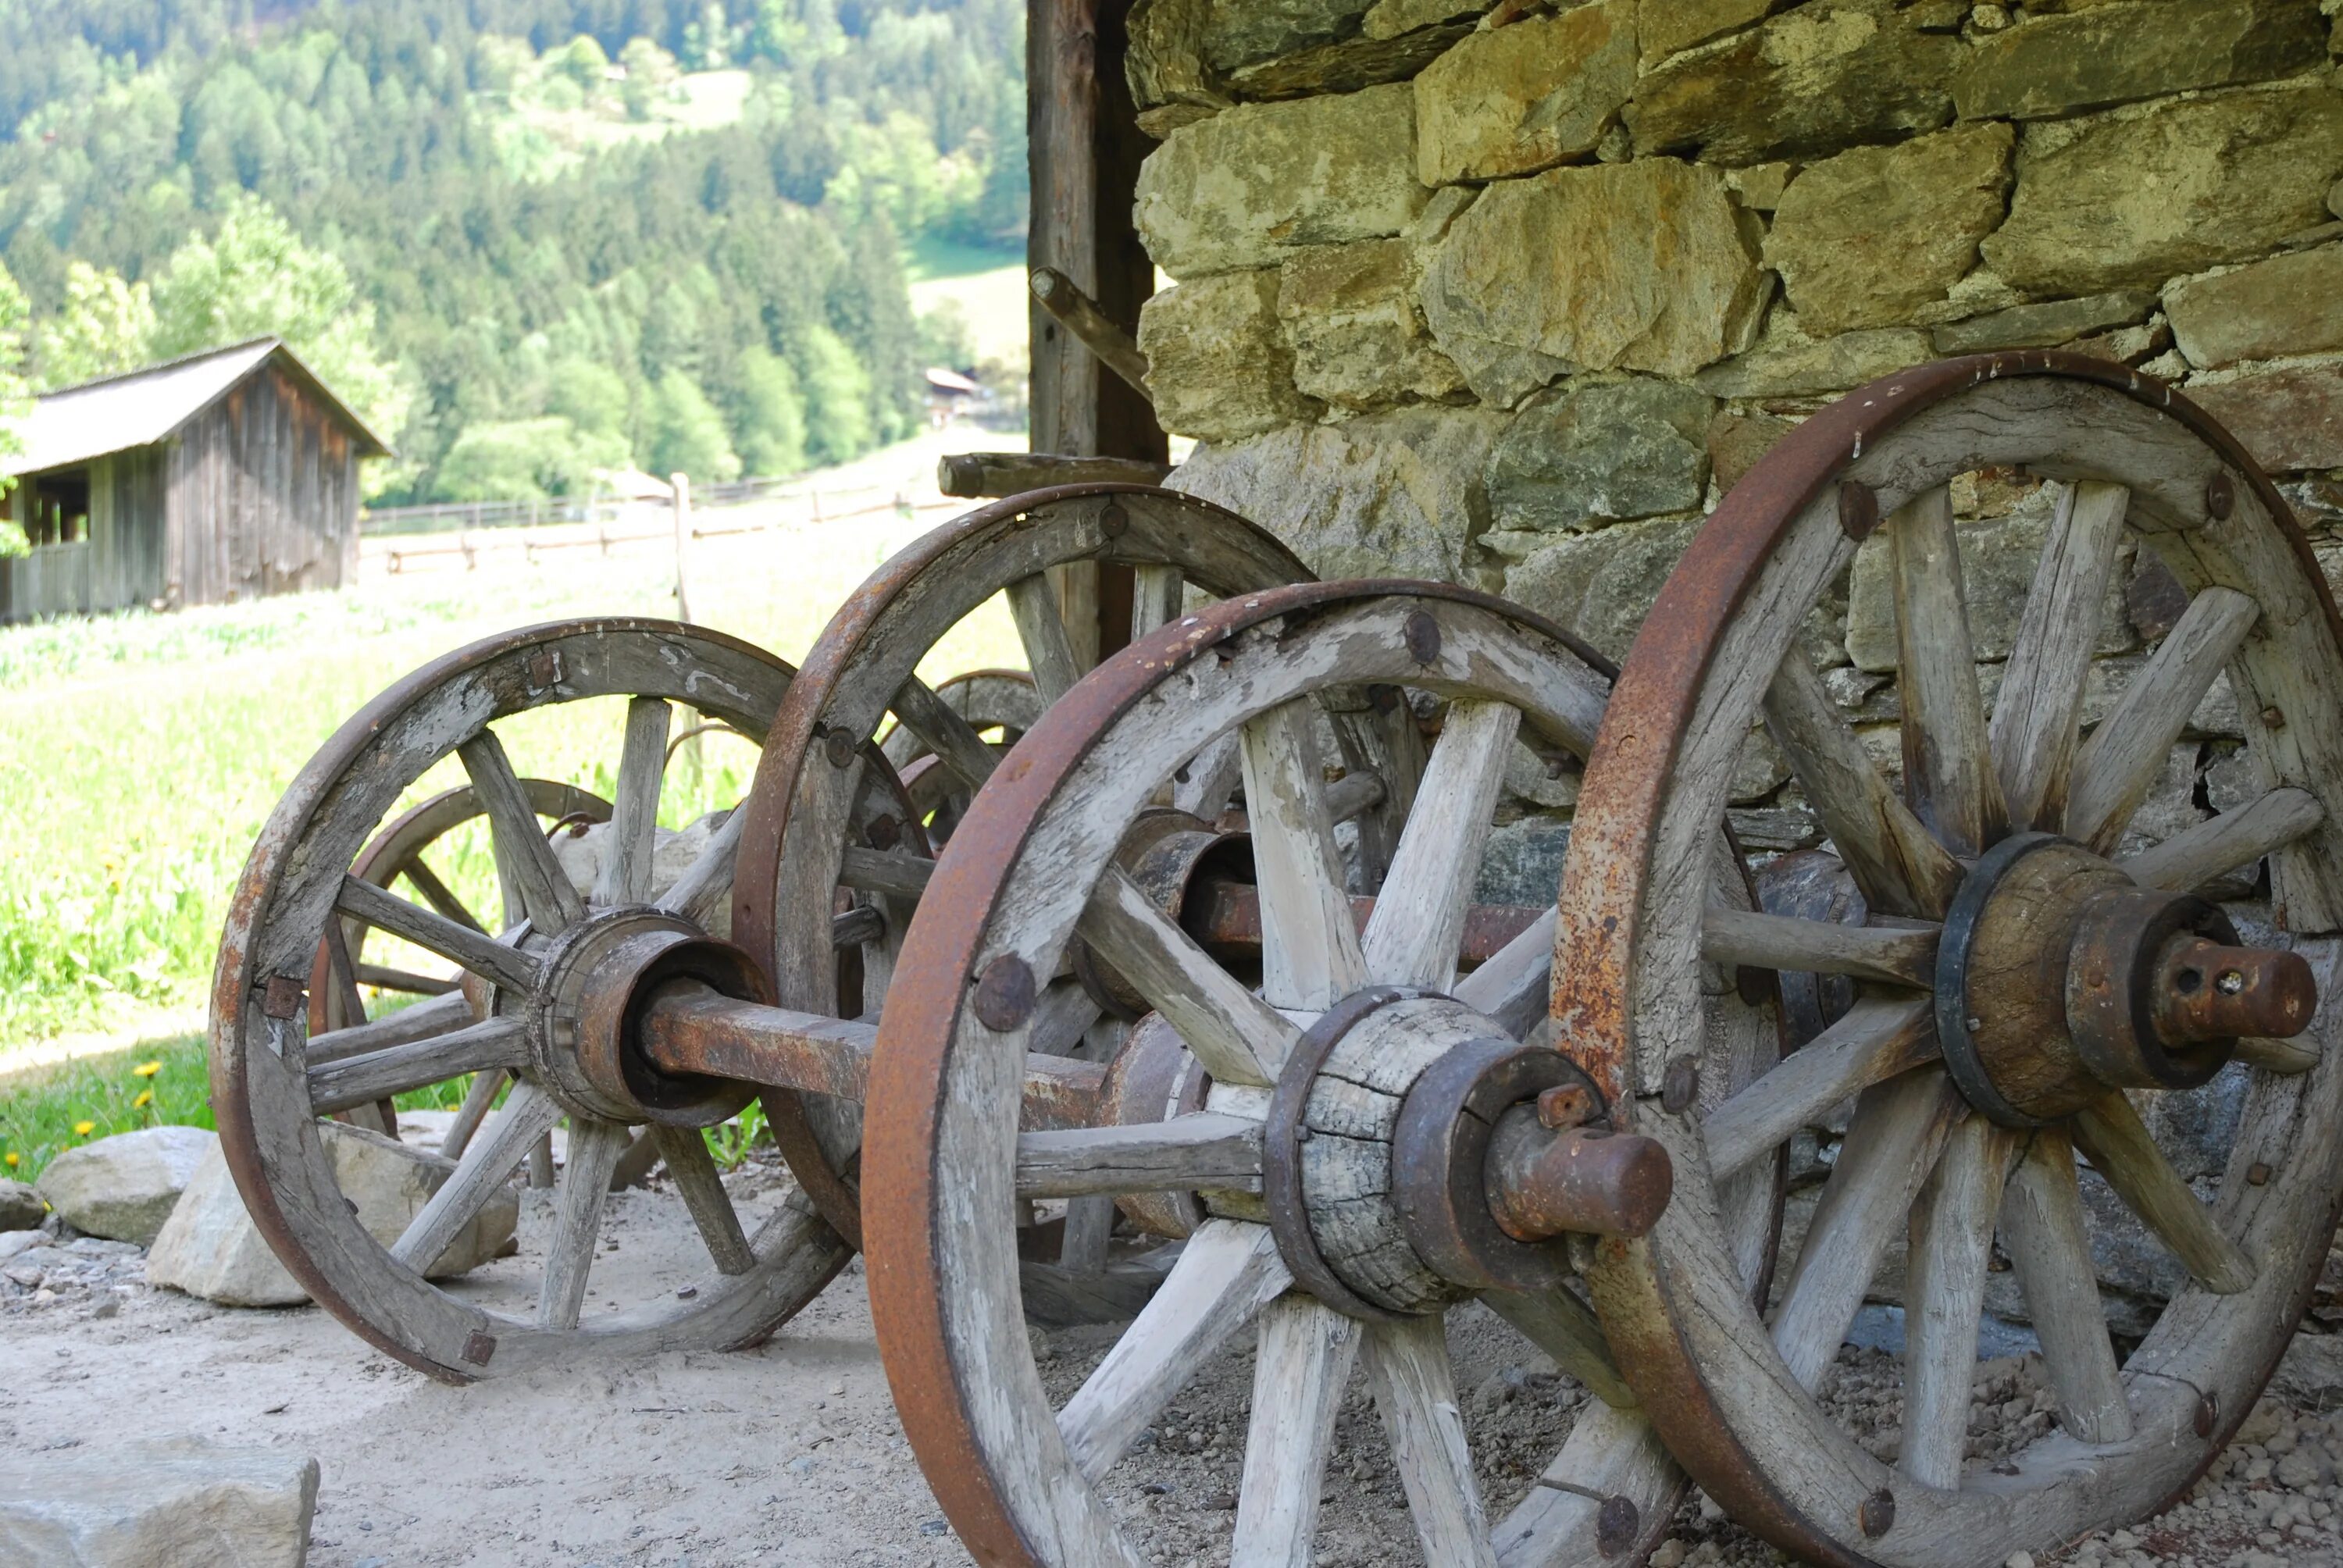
<point x="222" y="476"/>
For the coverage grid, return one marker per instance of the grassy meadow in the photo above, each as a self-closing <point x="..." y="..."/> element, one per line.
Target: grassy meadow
<point x="143" y="753"/>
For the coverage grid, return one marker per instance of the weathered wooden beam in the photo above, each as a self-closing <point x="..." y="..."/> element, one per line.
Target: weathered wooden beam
<point x="1079" y="314"/>
<point x="996" y="474"/>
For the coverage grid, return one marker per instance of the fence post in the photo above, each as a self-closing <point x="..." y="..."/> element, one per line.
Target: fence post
<point x="682" y="483"/>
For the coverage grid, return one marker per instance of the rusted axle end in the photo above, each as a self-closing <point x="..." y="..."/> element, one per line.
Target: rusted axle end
<point x="2207" y="990"/>
<point x="1583" y="1180"/>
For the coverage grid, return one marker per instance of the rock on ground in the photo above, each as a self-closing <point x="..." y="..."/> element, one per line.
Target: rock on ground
<point x="186" y="1504"/>
<point x="210" y="1246"/>
<point x="21" y="1206"/>
<point x="125" y="1187"/>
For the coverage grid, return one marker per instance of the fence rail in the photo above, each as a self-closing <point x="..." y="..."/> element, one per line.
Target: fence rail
<point x="450" y="516"/>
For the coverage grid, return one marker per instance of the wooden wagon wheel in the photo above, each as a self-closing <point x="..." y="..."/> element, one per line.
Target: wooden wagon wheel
<point x="2030" y="980"/>
<point x="1006" y="701"/>
<point x="540" y="1002"/>
<point x="401" y="853"/>
<point x="1372" y="1152"/>
<point x="794" y="861"/>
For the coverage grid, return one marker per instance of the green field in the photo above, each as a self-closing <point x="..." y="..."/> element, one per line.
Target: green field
<point x="987" y="287"/>
<point x="146" y="751"/>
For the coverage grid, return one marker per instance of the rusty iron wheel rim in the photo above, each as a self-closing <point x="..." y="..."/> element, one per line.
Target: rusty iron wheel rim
<point x="1649" y="1292"/>
<point x="981" y="1436"/>
<point x="272" y="930"/>
<point x="968" y="559"/>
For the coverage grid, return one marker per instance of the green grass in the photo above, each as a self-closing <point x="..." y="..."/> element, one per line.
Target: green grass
<point x="146" y="751"/>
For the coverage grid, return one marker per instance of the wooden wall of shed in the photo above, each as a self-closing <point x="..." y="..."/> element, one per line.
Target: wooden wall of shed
<point x="262" y="495"/>
<point x="118" y="566"/>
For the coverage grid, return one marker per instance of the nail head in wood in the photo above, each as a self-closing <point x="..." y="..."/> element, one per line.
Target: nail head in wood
<point x="479" y="1347"/>
<point x="1386" y="699"/>
<point x="1422" y="637"/>
<point x="2257" y="1174"/>
<point x="1858" y="509"/>
<point x="1615" y="1525"/>
<point x="838" y="747"/>
<point x="1004" y="995"/>
<point x="544" y="668"/>
<point x="2220" y="496"/>
<point x="2273" y="718"/>
<point x="1680" y="1086"/>
<point x="1565" y="1106"/>
<point x="883" y="833"/>
<point x="1877" y="1514"/>
<point x="1114" y="522"/>
<point x="286" y="996"/>
<point x="2208" y="1414"/>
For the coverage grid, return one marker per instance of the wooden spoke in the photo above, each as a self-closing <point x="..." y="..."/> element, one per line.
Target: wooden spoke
<point x="1212" y="776"/>
<point x="944" y="732"/>
<point x="2189" y="860"/>
<point x="1900" y="1129"/>
<point x="2285" y="1057"/>
<point x="553" y="905"/>
<point x="1042" y="628"/>
<point x="404" y="1027"/>
<point x="1238" y="1037"/>
<point x="877" y="871"/>
<point x="383" y="977"/>
<point x="706" y="882"/>
<point x="1413" y="937"/>
<point x="1948" y="774"/>
<point x="2120" y="761"/>
<point x="1415" y="1388"/>
<point x="1352" y="795"/>
<point x="1310" y="954"/>
<point x="1228" y="1272"/>
<point x="1089" y="1230"/>
<point x="478" y="1101"/>
<point x="1198" y="1151"/>
<point x="1300" y="1368"/>
<point x="2041" y="700"/>
<point x="1876" y="1040"/>
<point x="2120" y="1148"/>
<point x="438" y="895"/>
<point x="625" y="877"/>
<point x="483" y="955"/>
<point x="685" y="1152"/>
<point x="378" y="1075"/>
<point x="528" y="1115"/>
<point x="595" y="1146"/>
<point x="1897" y="955"/>
<point x="1567" y="1330"/>
<point x="1901" y="869"/>
<point x="1944" y="1297"/>
<point x="1157" y="595"/>
<point x="2043" y="1227"/>
<point x="1512" y="986"/>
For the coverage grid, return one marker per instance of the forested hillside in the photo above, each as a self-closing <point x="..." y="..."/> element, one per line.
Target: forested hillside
<point x="531" y="238"/>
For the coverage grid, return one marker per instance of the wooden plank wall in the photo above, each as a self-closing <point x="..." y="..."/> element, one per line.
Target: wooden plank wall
<point x="262" y="496"/>
<point x="118" y="566"/>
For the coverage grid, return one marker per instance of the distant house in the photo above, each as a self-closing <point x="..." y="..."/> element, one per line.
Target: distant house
<point x="222" y="476"/>
<point x="949" y="394"/>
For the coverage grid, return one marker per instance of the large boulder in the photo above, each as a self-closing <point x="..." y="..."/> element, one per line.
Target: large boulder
<point x="1514" y="100"/>
<point x="1397" y="493"/>
<point x="123" y="1187"/>
<point x="1645" y="265"/>
<point x="2286" y="305"/>
<point x="1925" y="202"/>
<point x="2132" y="197"/>
<point x="1252" y="183"/>
<point x="186" y="1504"/>
<point x="22" y="1208"/>
<point x="2091" y="59"/>
<point x="210" y="1246"/>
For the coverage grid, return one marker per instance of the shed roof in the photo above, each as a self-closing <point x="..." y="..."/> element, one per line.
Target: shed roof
<point x="140" y="408"/>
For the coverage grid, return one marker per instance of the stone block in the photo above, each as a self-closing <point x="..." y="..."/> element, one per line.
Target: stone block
<point x="1645" y="265"/>
<point x="1580" y="455"/>
<point x="210" y="1246"/>
<point x="1218" y="366"/>
<point x="2054" y="66"/>
<point x="1665" y="27"/>
<point x="1358" y="337"/>
<point x="1516" y="99"/>
<point x="1809" y="81"/>
<point x="2131" y="197"/>
<point x="2044" y="326"/>
<point x="22" y="1208"/>
<point x="1390" y="18"/>
<point x="1926" y="202"/>
<point x="186" y="1504"/>
<point x="1522" y="863"/>
<point x="1787" y="363"/>
<point x="1394" y="494"/>
<point x="1239" y="32"/>
<point x="1735" y="442"/>
<point x="1254" y="182"/>
<point x="1347" y="67"/>
<point x="2311" y="1373"/>
<point x="1602" y="585"/>
<point x="2290" y="304"/>
<point x="1997" y="561"/>
<point x="2290" y="417"/>
<point x="123" y="1187"/>
<point x="1759" y="187"/>
<point x="1164" y="64"/>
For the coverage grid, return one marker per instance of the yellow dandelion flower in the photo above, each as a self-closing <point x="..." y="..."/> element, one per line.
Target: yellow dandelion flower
<point x="14" y="1159"/>
<point x="147" y="1069"/>
<point x="83" y="1129"/>
<point x="145" y="1098"/>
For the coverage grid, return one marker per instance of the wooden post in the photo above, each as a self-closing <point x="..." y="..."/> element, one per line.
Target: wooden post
<point x="682" y="486"/>
<point x="1085" y="149"/>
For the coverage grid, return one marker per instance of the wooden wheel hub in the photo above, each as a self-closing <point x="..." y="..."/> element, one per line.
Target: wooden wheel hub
<point x="1404" y="1168"/>
<point x="585" y="1018"/>
<point x="2058" y="979"/>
